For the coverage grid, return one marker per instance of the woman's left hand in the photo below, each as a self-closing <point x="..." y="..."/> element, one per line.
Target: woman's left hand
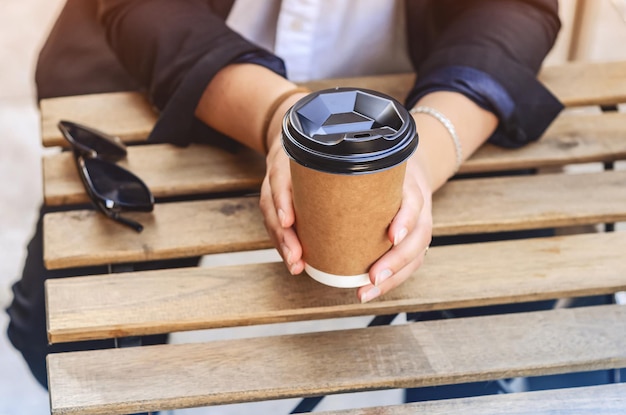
<point x="410" y="232"/>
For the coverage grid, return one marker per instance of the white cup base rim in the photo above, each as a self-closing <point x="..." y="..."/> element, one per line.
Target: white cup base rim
<point x="339" y="281"/>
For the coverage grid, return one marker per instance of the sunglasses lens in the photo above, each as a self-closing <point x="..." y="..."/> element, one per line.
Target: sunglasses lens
<point x="87" y="140"/>
<point x="113" y="184"/>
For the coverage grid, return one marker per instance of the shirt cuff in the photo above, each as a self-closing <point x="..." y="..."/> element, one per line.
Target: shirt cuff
<point x="477" y="85"/>
<point x="519" y="122"/>
<point x="265" y="59"/>
<point x="177" y="123"/>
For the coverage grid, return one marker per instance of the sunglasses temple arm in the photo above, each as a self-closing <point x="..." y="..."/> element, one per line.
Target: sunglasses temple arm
<point x="129" y="222"/>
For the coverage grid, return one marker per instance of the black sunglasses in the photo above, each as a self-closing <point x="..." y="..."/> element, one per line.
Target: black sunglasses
<point x="110" y="187"/>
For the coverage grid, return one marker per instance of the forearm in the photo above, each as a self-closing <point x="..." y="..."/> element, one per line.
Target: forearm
<point x="436" y="151"/>
<point x="223" y="108"/>
<point x="174" y="49"/>
<point x="237" y="101"/>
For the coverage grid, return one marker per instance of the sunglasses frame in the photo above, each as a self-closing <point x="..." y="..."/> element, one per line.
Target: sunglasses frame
<point x="84" y="154"/>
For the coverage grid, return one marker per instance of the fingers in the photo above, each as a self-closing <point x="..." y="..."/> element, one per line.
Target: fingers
<point x="411" y="234"/>
<point x="370" y="291"/>
<point x="405" y="220"/>
<point x="277" y="208"/>
<point x="279" y="178"/>
<point x="397" y="265"/>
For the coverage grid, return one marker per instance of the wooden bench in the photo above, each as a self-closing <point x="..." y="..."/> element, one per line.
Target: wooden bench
<point x="129" y="380"/>
<point x="595" y="400"/>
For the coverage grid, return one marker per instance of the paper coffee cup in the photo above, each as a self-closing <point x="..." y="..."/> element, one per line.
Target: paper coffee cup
<point x="347" y="150"/>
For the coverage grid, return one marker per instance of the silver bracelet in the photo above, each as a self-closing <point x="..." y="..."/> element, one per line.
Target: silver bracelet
<point x="449" y="126"/>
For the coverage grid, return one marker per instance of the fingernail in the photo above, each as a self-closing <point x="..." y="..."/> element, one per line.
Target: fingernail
<point x="399" y="236"/>
<point x="370" y="295"/>
<point x="382" y="276"/>
<point x="286" y="253"/>
<point x="292" y="269"/>
<point x="281" y="217"/>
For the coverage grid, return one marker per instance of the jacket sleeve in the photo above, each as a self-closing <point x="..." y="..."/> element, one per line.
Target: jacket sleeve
<point x="490" y="50"/>
<point x="173" y="49"/>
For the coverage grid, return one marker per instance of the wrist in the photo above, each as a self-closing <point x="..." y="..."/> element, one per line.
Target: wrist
<point x="447" y="140"/>
<point x="418" y="164"/>
<point x="275" y="116"/>
<point x="237" y="100"/>
<point x="449" y="126"/>
<point x="435" y="153"/>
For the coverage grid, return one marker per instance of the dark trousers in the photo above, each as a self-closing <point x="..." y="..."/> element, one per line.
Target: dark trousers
<point x="27" y="313"/>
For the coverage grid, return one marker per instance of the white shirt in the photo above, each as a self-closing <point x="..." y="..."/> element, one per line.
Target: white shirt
<point x="320" y="39"/>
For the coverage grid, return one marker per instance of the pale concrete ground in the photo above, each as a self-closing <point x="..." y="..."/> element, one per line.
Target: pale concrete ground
<point x="23" y="27"/>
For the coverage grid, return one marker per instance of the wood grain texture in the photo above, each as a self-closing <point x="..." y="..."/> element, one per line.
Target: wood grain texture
<point x="172" y="230"/>
<point x="579" y="138"/>
<point x="167" y="170"/>
<point x="130" y="116"/>
<point x="584" y="83"/>
<point x="591" y="400"/>
<point x="529" y="202"/>
<point x="469" y="275"/>
<point x="130" y="380"/>
<point x="174" y="376"/>
<point x="173" y="171"/>
<point x="574" y="83"/>
<point x="184" y="229"/>
<point x="125" y="114"/>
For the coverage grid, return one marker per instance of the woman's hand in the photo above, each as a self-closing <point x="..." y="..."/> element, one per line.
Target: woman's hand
<point x="410" y="232"/>
<point x="277" y="207"/>
<point x="427" y="170"/>
<point x="231" y="106"/>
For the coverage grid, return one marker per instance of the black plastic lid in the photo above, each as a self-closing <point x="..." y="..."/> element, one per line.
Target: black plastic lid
<point x="349" y="131"/>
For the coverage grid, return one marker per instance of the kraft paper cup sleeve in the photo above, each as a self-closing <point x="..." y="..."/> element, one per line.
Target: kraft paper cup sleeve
<point x="342" y="221"/>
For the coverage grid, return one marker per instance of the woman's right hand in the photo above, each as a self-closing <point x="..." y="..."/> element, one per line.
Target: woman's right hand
<point x="276" y="204"/>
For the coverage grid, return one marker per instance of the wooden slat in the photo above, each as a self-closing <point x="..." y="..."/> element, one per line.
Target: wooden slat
<point x="584" y="83"/>
<point x="131" y="117"/>
<point x="167" y="170"/>
<point x="541" y="201"/>
<point x="125" y="114"/>
<point x="580" y="138"/>
<point x="173" y="230"/>
<point x="173" y="171"/>
<point x="468" y="275"/>
<point x="574" y="83"/>
<point x="202" y="227"/>
<point x="591" y="400"/>
<point x="130" y="380"/>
